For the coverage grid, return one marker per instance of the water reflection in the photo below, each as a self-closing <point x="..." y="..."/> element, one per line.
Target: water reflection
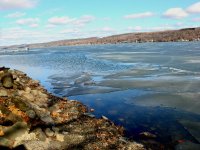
<point x="164" y="122"/>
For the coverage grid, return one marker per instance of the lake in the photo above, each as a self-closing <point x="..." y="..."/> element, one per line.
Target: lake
<point x="145" y="87"/>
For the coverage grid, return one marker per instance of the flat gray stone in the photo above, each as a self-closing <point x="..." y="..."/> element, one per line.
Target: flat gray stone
<point x="3" y="93"/>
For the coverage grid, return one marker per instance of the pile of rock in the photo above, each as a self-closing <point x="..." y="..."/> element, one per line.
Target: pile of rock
<point x="33" y="119"/>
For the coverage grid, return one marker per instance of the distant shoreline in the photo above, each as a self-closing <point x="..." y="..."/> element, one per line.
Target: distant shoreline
<point x="182" y="35"/>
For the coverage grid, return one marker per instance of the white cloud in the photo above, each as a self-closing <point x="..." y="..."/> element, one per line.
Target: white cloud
<point x="175" y="13"/>
<point x="163" y="27"/>
<point x="84" y="20"/>
<point x="139" y="15"/>
<point x="67" y="31"/>
<point x="196" y="19"/>
<point x="31" y="22"/>
<point x="16" y="15"/>
<point x="107" y="29"/>
<point x="65" y="20"/>
<point x="195" y="8"/>
<point x="16" y="4"/>
<point x="17" y="35"/>
<point x="34" y="25"/>
<point x="101" y="32"/>
<point x="61" y="20"/>
<point x="136" y="28"/>
<point x="50" y="26"/>
<point x="179" y="24"/>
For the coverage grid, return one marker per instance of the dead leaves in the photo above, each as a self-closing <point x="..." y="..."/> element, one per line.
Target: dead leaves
<point x="1" y="133"/>
<point x="55" y="114"/>
<point x="18" y="112"/>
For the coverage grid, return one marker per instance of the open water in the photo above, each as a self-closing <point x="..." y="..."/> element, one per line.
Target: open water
<point x="152" y="87"/>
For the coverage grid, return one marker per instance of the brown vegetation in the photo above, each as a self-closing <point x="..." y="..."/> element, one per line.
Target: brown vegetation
<point x="187" y="34"/>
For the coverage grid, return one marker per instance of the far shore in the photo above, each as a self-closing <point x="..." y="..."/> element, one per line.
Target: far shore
<point x="182" y="35"/>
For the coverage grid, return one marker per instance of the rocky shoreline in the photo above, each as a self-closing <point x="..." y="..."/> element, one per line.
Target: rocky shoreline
<point x="33" y="119"/>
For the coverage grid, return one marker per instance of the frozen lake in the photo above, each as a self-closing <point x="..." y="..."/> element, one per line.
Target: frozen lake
<point x="152" y="87"/>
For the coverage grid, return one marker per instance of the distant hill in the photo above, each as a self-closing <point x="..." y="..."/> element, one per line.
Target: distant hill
<point x="187" y="34"/>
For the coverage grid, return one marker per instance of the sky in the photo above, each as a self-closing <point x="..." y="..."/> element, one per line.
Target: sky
<point x="36" y="21"/>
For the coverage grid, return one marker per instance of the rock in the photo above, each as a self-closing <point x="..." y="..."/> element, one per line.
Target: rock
<point x="36" y="145"/>
<point x="18" y="85"/>
<point x="55" y="129"/>
<point x="27" y="89"/>
<point x="65" y="133"/>
<point x="60" y="137"/>
<point x="1" y="73"/>
<point x="47" y="119"/>
<point x="134" y="146"/>
<point x="104" y="117"/>
<point x="28" y="96"/>
<point x="89" y="115"/>
<point x="91" y="110"/>
<point x="40" y="134"/>
<point x="24" y="137"/>
<point x="20" y="92"/>
<point x="5" y="142"/>
<point x="41" y="102"/>
<point x="34" y="92"/>
<point x="20" y="104"/>
<point x="43" y="145"/>
<point x="49" y="132"/>
<point x="14" y="76"/>
<point x="7" y="80"/>
<point x="123" y="139"/>
<point x="147" y="135"/>
<point x="16" y="130"/>
<point x="73" y="139"/>
<point x="31" y="114"/>
<point x="17" y="79"/>
<point x="4" y="69"/>
<point x="35" y="82"/>
<point x="3" y="93"/>
<point x="42" y="95"/>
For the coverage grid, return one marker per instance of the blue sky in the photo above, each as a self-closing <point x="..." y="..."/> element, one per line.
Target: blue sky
<point x="33" y="21"/>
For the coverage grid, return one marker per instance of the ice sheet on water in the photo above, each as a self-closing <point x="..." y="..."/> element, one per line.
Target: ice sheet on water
<point x="182" y="101"/>
<point x="155" y="84"/>
<point x="89" y="90"/>
<point x="78" y="84"/>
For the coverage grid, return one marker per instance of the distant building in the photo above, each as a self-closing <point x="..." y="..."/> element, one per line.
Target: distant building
<point x="15" y="48"/>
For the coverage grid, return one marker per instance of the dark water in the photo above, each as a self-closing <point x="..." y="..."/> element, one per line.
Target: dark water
<point x="152" y="87"/>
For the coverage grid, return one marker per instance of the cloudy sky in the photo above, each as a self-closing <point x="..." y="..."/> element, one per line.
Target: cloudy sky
<point x="33" y="21"/>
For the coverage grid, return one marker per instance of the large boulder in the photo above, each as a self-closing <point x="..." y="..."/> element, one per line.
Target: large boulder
<point x="7" y="80"/>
